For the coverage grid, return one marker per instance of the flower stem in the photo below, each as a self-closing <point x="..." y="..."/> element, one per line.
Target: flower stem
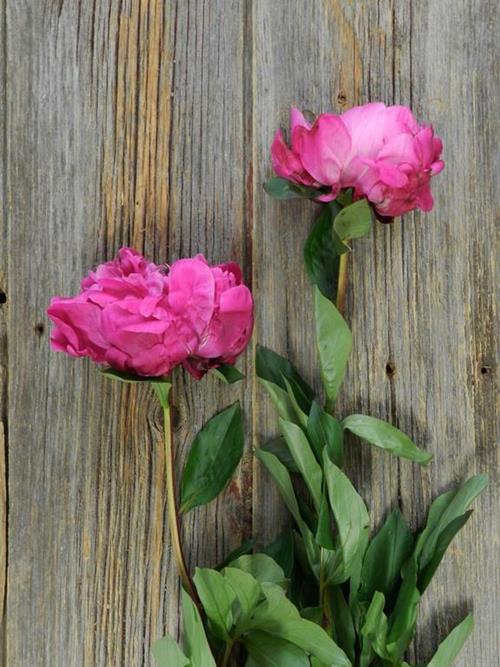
<point x="172" y="509"/>
<point x="227" y="653"/>
<point x="342" y="282"/>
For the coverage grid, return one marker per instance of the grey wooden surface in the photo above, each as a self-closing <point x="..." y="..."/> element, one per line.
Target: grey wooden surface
<point x="148" y="123"/>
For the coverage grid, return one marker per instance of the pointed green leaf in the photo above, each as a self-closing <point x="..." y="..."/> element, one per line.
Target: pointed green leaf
<point x="131" y="378"/>
<point x="282" y="478"/>
<point x="168" y="654"/>
<point x="385" y="556"/>
<point x="444" y="539"/>
<point x="280" y="188"/>
<point x="354" y="221"/>
<point x="404" y="616"/>
<point x="451" y="507"/>
<point x="324" y="533"/>
<point x="304" y="459"/>
<point x="311" y="638"/>
<point x="278" y="447"/>
<point x="262" y="568"/>
<point x="344" y="633"/>
<point x="351" y="516"/>
<point x="384" y="435"/>
<point x="271" y="367"/>
<point x="334" y="342"/>
<point x="320" y="252"/>
<point x="268" y="651"/>
<point x="217" y="596"/>
<point x="375" y="625"/>
<point x="214" y="455"/>
<point x="450" y="648"/>
<point x="323" y="430"/>
<point x="281" y="400"/>
<point x="246" y="588"/>
<point x="194" y="637"/>
<point x="282" y="552"/>
<point x="228" y="374"/>
<point x="293" y="391"/>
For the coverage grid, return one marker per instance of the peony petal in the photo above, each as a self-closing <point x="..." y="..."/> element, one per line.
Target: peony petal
<point x="324" y="148"/>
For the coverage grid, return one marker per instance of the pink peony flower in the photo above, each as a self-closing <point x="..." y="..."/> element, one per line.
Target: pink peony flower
<point x="381" y="152"/>
<point x="135" y="317"/>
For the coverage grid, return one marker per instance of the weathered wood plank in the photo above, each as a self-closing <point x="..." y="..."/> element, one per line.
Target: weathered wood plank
<point x="421" y="300"/>
<point x="149" y="123"/>
<point x="125" y="121"/>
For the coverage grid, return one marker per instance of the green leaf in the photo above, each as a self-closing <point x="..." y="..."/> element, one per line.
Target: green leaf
<point x="217" y="596"/>
<point x="131" y="378"/>
<point x="444" y="510"/>
<point x="404" y="616"/>
<point x="324" y="534"/>
<point x="228" y="374"/>
<point x="311" y="638"/>
<point x="243" y="549"/>
<point x="278" y="447"/>
<point x="334" y="342"/>
<point x="320" y="252"/>
<point x="262" y="568"/>
<point x="354" y="221"/>
<point x="281" y="400"/>
<point x="214" y="455"/>
<point x="444" y="539"/>
<point x="246" y="588"/>
<point x="282" y="552"/>
<point x="168" y="654"/>
<point x="452" y="645"/>
<point x="292" y="390"/>
<point x="162" y="391"/>
<point x="344" y="633"/>
<point x="268" y="651"/>
<point x="375" y="625"/>
<point x="271" y="367"/>
<point x="324" y="431"/>
<point x="282" y="478"/>
<point x="350" y="515"/>
<point x="280" y="188"/>
<point x="384" y="558"/>
<point x="304" y="459"/>
<point x="194" y="637"/>
<point x="384" y="435"/>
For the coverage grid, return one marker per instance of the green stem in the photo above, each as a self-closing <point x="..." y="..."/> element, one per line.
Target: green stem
<point x="342" y="282"/>
<point x="227" y="653"/>
<point x="172" y="509"/>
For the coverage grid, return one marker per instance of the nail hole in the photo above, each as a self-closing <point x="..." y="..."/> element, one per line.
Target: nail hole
<point x="3" y="297"/>
<point x="485" y="370"/>
<point x="341" y="98"/>
<point x="390" y="369"/>
<point x="39" y="328"/>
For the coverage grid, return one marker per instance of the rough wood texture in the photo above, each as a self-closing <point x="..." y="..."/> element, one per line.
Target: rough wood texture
<point x="149" y="123"/>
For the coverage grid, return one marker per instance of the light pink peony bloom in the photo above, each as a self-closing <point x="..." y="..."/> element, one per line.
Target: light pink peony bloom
<point x="381" y="152"/>
<point x="133" y="316"/>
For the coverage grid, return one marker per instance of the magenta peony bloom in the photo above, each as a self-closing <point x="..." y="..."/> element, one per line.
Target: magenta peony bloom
<point x="380" y="152"/>
<point x="133" y="316"/>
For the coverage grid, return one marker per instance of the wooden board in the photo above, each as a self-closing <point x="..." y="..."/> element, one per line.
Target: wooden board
<point x="148" y="123"/>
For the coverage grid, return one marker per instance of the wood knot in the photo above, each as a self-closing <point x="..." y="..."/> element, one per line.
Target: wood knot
<point x="342" y="98"/>
<point x="390" y="369"/>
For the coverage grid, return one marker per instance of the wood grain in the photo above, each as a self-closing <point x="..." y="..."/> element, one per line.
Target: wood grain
<point x="149" y="123"/>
